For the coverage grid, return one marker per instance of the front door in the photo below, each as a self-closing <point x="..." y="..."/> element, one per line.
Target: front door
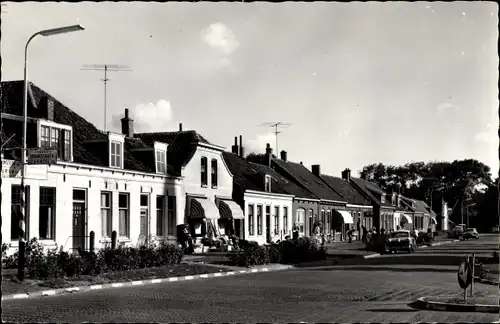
<point x="311" y="223"/>
<point x="78" y="225"/>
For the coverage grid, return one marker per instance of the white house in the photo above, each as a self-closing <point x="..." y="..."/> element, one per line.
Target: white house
<point x="101" y="182"/>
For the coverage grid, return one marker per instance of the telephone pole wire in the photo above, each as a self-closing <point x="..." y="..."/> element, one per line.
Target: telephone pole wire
<point x="106" y="68"/>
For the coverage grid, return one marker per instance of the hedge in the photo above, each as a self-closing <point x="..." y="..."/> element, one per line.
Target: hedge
<point x="293" y="251"/>
<point x="55" y="263"/>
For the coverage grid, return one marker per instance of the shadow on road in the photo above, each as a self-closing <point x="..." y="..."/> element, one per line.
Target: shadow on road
<point x="393" y="310"/>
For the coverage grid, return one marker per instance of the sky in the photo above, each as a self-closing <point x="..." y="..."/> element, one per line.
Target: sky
<point x="359" y="83"/>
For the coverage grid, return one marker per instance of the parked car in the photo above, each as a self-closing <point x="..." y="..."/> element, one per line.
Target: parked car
<point x="470" y="233"/>
<point x="400" y="240"/>
<point x="457" y="231"/>
<point x="495" y="229"/>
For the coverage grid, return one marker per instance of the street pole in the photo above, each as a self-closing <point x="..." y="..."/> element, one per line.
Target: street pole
<point x="22" y="212"/>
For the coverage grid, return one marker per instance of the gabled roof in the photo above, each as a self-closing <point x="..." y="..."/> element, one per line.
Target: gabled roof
<point x="306" y="179"/>
<point x="250" y="176"/>
<point x="346" y="189"/>
<point x="83" y="131"/>
<point x="421" y="207"/>
<point x="181" y="145"/>
<point x="370" y="189"/>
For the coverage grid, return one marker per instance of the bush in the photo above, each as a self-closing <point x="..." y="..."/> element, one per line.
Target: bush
<point x="55" y="264"/>
<point x="286" y="252"/>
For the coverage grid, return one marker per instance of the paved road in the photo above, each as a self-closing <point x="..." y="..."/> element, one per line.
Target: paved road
<point x="310" y="295"/>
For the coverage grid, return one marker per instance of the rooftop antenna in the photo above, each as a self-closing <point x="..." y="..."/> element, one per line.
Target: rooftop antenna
<point x="276" y="131"/>
<point x="106" y="68"/>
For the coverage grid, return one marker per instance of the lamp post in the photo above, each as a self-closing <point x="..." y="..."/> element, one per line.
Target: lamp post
<point x="22" y="233"/>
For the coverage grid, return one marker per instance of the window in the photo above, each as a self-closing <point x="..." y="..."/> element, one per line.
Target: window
<point x="267" y="185"/>
<point x="47" y="213"/>
<point x="276" y="220"/>
<point x="204" y="179"/>
<point x="327" y="226"/>
<point x="116" y="154"/>
<point x="160" y="215"/>
<point x="54" y="137"/>
<point x="16" y="199"/>
<point x="106" y="217"/>
<point x="301" y="215"/>
<point x="171" y="215"/>
<point x="123" y="215"/>
<point x="45" y="136"/>
<point x="144" y="214"/>
<point x="382" y="199"/>
<point x="214" y="173"/>
<point x="67" y="145"/>
<point x="285" y="219"/>
<point x="160" y="162"/>
<point x="322" y="217"/>
<point x="259" y="220"/>
<point x="251" y="227"/>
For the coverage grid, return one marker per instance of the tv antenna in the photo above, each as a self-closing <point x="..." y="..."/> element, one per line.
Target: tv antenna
<point x="276" y="125"/>
<point x="106" y="68"/>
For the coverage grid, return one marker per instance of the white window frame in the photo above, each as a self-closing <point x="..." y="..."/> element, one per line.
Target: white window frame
<point x="301" y="218"/>
<point x="146" y="210"/>
<point x="109" y="219"/>
<point x="171" y="212"/>
<point x="127" y="215"/>
<point x="267" y="183"/>
<point x="160" y="151"/>
<point x="160" y="216"/>
<point x="61" y="128"/>
<point x="52" y="213"/>
<point x="276" y="220"/>
<point x="251" y="219"/>
<point x="112" y="156"/>
<point x="215" y="183"/>
<point x="261" y="232"/>
<point x="285" y="219"/>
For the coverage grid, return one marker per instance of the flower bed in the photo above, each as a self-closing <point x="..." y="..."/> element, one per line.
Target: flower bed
<point x="294" y="251"/>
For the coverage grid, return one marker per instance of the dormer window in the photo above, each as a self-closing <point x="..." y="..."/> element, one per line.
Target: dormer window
<point x="382" y="198"/>
<point x="204" y="177"/>
<point x="267" y="183"/>
<point x="116" y="154"/>
<point x="56" y="136"/>
<point x="214" y="173"/>
<point x="161" y="164"/>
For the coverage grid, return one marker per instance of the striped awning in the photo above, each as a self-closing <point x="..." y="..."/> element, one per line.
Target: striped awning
<point x="203" y="208"/>
<point x="346" y="216"/>
<point x="407" y="218"/>
<point x="230" y="210"/>
<point x="433" y="220"/>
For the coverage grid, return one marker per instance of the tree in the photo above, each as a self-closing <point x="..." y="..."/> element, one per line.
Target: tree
<point x="259" y="158"/>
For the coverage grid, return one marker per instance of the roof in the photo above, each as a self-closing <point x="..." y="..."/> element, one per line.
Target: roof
<point x="84" y="153"/>
<point x="421" y="207"/>
<point x="306" y="179"/>
<point x="369" y="188"/>
<point x="347" y="190"/>
<point x="181" y="145"/>
<point x="250" y="176"/>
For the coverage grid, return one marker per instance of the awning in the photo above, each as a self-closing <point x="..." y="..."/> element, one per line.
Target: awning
<point x="408" y="218"/>
<point x="346" y="216"/>
<point x="433" y="220"/>
<point x="203" y="208"/>
<point x="230" y="210"/>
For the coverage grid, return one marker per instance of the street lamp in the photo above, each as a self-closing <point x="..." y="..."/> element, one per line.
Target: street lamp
<point x="22" y="242"/>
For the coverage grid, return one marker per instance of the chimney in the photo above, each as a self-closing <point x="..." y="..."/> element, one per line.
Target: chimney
<point x="398" y="200"/>
<point x="315" y="168"/>
<point x="269" y="154"/>
<point x="301" y="163"/>
<point x="234" y="148"/>
<point x="127" y="125"/>
<point x="242" y="151"/>
<point x="47" y="108"/>
<point x="180" y="127"/>
<point x="283" y="155"/>
<point x="346" y="174"/>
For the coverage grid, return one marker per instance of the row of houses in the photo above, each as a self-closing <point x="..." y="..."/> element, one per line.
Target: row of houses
<point x="147" y="184"/>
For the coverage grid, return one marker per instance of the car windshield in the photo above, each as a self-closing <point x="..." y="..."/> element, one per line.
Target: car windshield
<point x="470" y="230"/>
<point x="399" y="234"/>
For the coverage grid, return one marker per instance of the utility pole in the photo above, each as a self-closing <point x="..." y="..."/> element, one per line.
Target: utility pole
<point x="106" y="68"/>
<point x="275" y="125"/>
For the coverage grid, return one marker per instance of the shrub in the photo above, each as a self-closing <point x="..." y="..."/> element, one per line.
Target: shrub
<point x="250" y="256"/>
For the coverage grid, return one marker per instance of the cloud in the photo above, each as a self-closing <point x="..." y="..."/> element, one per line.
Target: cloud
<point x="149" y="117"/>
<point x="446" y="106"/>
<point x="486" y="137"/>
<point x="258" y="145"/>
<point x="220" y="37"/>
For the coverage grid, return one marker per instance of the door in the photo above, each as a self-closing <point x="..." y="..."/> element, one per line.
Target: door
<point x="237" y="227"/>
<point x="311" y="223"/>
<point x="78" y="225"/>
<point x="144" y="222"/>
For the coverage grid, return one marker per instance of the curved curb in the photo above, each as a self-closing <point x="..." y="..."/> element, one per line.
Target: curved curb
<point x="128" y="284"/>
<point x="486" y="281"/>
<point x="449" y="307"/>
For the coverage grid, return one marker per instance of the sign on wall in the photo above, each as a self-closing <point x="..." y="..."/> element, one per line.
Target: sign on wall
<point x="42" y="156"/>
<point x="12" y="169"/>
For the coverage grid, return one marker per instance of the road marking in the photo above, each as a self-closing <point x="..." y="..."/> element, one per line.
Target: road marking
<point x="156" y="281"/>
<point x="19" y="296"/>
<point x="230" y="273"/>
<point x="188" y="278"/>
<point x="217" y="274"/>
<point x="204" y="276"/>
<point x="72" y="289"/>
<point x="254" y="270"/>
<point x="115" y="285"/>
<point x="135" y="283"/>
<point x="49" y="293"/>
<point x="172" y="279"/>
<point x="265" y="269"/>
<point x="243" y="271"/>
<point x="96" y="287"/>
